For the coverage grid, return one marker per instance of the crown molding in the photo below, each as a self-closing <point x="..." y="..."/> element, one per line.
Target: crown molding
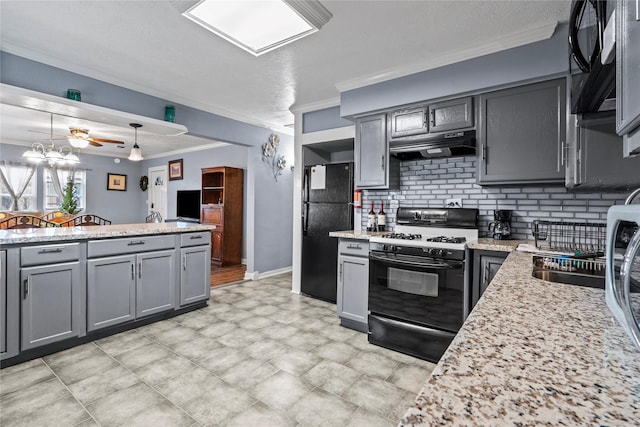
<point x="314" y="106"/>
<point x="187" y="150"/>
<point x="509" y="41"/>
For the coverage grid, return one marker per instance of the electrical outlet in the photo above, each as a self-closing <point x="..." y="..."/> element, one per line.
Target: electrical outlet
<point x="453" y="203"/>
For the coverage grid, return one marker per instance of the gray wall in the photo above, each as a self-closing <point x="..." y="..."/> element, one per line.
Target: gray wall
<point x="428" y="183"/>
<point x="268" y="206"/>
<point x="545" y="58"/>
<point x="120" y="207"/>
<point x="328" y="118"/>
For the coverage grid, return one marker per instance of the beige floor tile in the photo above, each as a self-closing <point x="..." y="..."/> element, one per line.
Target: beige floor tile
<point x="410" y="377"/>
<point x="217" y="329"/>
<point x="221" y="359"/>
<point x="197" y="347"/>
<point x="164" y="369"/>
<point x="262" y="416"/>
<point x="248" y="373"/>
<point x="120" y="343"/>
<point x="331" y="376"/>
<point x="103" y="384"/>
<point x="18" y="377"/>
<point x="190" y="386"/>
<point x="92" y="365"/>
<point x="280" y="332"/>
<point x="407" y="400"/>
<point x="239" y="338"/>
<point x="306" y="341"/>
<point x="142" y="356"/>
<point x="62" y="412"/>
<point x="364" y="418"/>
<point x="266" y="349"/>
<point x="364" y="360"/>
<point x="281" y="391"/>
<point x="116" y="408"/>
<point x="321" y="409"/>
<point x="30" y="399"/>
<point x="336" y="351"/>
<point x="296" y="362"/>
<point x="175" y="335"/>
<point x="218" y="404"/>
<point x="163" y="414"/>
<point x="375" y="395"/>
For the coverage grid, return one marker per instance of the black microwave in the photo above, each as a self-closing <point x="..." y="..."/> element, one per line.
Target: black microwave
<point x="592" y="61"/>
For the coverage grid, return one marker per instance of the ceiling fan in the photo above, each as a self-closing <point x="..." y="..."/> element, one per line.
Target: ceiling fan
<point x="79" y="138"/>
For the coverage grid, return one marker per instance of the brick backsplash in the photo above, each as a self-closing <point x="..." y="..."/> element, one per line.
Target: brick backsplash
<point x="429" y="182"/>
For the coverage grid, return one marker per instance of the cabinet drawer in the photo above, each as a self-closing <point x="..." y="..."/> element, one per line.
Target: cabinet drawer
<point x="212" y="215"/>
<point x="195" y="239"/>
<point x="49" y="254"/>
<point x="354" y="247"/>
<point x="98" y="248"/>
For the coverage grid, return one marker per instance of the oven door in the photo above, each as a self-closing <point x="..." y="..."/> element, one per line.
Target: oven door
<point x="419" y="290"/>
<point x="623" y="272"/>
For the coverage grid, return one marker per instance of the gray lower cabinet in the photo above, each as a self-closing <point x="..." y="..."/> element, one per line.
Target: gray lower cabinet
<point x="485" y="266"/>
<point x="627" y="67"/>
<point x="522" y="134"/>
<point x="3" y="302"/>
<point x="373" y="166"/>
<point x="111" y="291"/>
<point x="353" y="283"/>
<point x="195" y="274"/>
<point x="125" y="287"/>
<point x="50" y="303"/>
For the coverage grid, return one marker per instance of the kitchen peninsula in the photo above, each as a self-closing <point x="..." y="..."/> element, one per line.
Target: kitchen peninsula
<point x="65" y="286"/>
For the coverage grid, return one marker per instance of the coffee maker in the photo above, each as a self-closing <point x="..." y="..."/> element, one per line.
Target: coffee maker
<point x="501" y="225"/>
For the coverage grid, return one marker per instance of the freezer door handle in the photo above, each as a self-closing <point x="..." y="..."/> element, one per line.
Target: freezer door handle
<point x="305" y="217"/>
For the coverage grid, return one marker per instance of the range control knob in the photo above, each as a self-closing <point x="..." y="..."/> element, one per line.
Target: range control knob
<point x="441" y="252"/>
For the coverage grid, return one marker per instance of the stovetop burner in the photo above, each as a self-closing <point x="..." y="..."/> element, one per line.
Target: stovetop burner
<point x="402" y="236"/>
<point x="446" y="239"/>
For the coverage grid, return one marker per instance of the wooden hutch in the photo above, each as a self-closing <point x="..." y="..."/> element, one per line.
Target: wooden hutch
<point x="222" y="199"/>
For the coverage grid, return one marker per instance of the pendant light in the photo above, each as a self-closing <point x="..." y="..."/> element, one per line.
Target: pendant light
<point x="136" y="153"/>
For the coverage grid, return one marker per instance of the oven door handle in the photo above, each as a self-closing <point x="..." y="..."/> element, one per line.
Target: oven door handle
<point x="439" y="266"/>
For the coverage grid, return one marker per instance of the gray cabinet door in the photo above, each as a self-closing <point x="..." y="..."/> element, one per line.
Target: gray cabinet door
<point x="156" y="282"/>
<point x="111" y="297"/>
<point x="627" y="65"/>
<point x="408" y="122"/>
<point x="451" y="115"/>
<point x="522" y="134"/>
<point x="3" y="302"/>
<point x="371" y="152"/>
<point x="485" y="266"/>
<point x="631" y="143"/>
<point x="195" y="274"/>
<point x="50" y="298"/>
<point x="353" y="288"/>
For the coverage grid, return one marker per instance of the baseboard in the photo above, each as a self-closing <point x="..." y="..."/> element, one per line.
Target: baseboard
<point x="257" y="275"/>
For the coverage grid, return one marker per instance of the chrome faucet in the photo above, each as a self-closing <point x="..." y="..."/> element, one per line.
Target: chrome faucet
<point x="631" y="197"/>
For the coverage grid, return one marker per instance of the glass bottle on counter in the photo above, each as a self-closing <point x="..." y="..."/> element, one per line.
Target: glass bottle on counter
<point x="382" y="218"/>
<point x="371" y="219"/>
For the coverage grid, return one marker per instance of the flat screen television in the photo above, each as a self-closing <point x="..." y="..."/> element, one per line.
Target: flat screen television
<point x="188" y="204"/>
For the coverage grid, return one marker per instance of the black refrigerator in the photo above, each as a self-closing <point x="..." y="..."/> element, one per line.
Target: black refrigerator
<point x="326" y="206"/>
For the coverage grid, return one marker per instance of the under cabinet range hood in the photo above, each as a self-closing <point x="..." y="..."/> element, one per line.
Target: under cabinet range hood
<point x="448" y="144"/>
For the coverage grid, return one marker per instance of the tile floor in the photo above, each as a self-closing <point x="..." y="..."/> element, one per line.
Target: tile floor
<point x="258" y="355"/>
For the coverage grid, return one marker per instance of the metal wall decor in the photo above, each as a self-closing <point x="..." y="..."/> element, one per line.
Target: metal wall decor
<point x="270" y="155"/>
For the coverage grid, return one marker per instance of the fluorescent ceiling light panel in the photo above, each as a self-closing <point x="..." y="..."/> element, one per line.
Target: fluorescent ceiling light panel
<point x="259" y="26"/>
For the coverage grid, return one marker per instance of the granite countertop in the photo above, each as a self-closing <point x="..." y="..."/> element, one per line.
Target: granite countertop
<point x="356" y="234"/>
<point x="488" y="244"/>
<point x="534" y="353"/>
<point x="53" y="234"/>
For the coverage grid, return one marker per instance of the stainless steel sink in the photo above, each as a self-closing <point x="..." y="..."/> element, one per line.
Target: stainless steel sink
<point x="569" y="278"/>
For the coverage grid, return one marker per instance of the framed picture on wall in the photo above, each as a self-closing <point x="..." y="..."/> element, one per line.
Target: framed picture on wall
<point x="175" y="169"/>
<point x="116" y="182"/>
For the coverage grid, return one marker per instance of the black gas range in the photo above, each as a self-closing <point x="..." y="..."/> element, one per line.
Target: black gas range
<point x="419" y="280"/>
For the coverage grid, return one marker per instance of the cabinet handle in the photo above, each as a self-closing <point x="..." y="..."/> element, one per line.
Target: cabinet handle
<point x="485" y="280"/>
<point x="133" y="273"/>
<point x="184" y="262"/>
<point x="50" y="251"/>
<point x="432" y="122"/>
<point x="26" y="288"/>
<point x="140" y="270"/>
<point x="352" y="246"/>
<point x="563" y="148"/>
<point x="195" y="237"/>
<point x="382" y="162"/>
<point x="134" y="243"/>
<point x="484" y="151"/>
<point x="340" y="271"/>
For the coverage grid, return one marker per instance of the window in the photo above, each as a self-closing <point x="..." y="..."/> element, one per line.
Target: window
<point x="18" y="177"/>
<point x="51" y="199"/>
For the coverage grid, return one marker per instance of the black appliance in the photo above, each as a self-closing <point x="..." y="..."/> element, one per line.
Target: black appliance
<point x="593" y="86"/>
<point x="447" y="144"/>
<point x="327" y="206"/>
<point x="188" y="204"/>
<point x="419" y="281"/>
<point x="501" y="225"/>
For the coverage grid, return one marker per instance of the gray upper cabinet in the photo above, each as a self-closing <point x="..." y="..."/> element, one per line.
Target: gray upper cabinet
<point x="522" y="134"/>
<point x="373" y="167"/>
<point x="627" y="65"/>
<point x="50" y="303"/>
<point x="451" y="115"/>
<point x="408" y="122"/>
<point x="628" y="75"/>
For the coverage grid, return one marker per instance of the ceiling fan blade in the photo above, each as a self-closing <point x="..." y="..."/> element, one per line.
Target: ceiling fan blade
<point x="95" y="144"/>
<point x="110" y="141"/>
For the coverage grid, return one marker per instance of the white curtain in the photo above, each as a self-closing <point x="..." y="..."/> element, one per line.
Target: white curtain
<point x="56" y="175"/>
<point x="16" y="179"/>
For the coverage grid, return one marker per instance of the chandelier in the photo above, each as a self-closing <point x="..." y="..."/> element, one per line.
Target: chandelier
<point x="53" y="155"/>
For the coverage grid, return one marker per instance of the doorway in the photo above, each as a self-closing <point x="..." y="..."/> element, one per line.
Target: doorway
<point x="157" y="196"/>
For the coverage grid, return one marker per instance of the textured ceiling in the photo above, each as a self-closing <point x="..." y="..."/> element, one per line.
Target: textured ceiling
<point x="148" y="46"/>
